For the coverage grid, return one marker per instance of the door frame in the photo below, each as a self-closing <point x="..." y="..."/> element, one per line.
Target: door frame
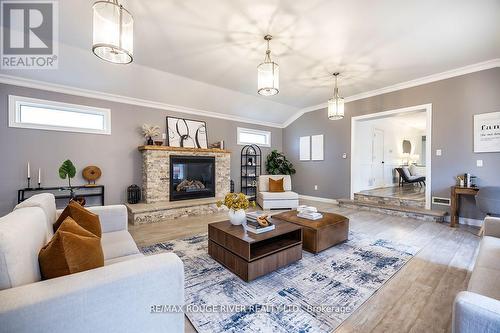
<point x="428" y="147"/>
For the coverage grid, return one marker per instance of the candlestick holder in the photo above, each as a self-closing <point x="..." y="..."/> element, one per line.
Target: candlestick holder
<point x="39" y="185"/>
<point x="29" y="184"/>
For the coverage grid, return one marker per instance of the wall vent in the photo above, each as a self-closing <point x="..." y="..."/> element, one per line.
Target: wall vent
<point x="441" y="201"/>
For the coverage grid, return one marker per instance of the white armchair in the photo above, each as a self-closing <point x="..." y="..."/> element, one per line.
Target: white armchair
<point x="115" y="298"/>
<point x="276" y="200"/>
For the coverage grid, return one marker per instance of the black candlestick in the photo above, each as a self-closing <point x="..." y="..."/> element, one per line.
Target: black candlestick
<point x="39" y="185"/>
<point x="29" y="184"/>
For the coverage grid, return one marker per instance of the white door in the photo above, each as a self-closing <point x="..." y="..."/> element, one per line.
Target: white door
<point x="378" y="158"/>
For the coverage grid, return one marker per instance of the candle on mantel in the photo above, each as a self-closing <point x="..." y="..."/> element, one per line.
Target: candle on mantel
<point x="29" y="175"/>
<point x="39" y="176"/>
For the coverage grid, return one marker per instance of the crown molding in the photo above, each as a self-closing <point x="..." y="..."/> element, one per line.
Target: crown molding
<point x="64" y="89"/>
<point x="493" y="63"/>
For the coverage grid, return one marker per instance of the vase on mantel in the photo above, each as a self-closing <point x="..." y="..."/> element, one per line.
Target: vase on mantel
<point x="150" y="141"/>
<point x="237" y="217"/>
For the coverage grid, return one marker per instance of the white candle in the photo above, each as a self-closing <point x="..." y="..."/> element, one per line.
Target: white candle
<point x="39" y="176"/>
<point x="29" y="175"/>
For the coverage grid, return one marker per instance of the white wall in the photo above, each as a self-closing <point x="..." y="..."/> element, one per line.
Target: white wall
<point x="395" y="129"/>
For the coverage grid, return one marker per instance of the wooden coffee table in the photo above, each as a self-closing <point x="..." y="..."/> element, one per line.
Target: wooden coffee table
<point x="321" y="234"/>
<point x="249" y="255"/>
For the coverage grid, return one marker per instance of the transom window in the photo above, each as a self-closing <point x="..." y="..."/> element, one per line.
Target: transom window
<point x="25" y="112"/>
<point x="247" y="136"/>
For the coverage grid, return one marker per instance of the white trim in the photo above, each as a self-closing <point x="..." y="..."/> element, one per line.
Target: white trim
<point x="16" y="102"/>
<point x="63" y="89"/>
<point x="267" y="134"/>
<point x="428" y="148"/>
<point x="493" y="63"/>
<point x="327" y="200"/>
<point x="466" y="221"/>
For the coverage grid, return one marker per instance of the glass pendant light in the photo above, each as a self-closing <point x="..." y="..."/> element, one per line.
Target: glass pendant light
<point x="113" y="38"/>
<point x="268" y="74"/>
<point x="336" y="103"/>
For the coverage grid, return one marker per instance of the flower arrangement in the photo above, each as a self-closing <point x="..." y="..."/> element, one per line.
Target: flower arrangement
<point x="150" y="132"/>
<point x="236" y="201"/>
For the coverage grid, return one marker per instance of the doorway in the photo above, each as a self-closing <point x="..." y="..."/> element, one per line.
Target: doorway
<point x="386" y="141"/>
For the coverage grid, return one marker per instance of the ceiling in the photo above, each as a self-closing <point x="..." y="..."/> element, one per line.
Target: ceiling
<point x="374" y="44"/>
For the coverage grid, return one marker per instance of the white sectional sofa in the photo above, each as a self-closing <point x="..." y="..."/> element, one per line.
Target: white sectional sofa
<point x="115" y="298"/>
<point x="276" y="200"/>
<point x="478" y="308"/>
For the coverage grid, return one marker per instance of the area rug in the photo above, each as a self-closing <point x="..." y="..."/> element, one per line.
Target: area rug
<point x="314" y="294"/>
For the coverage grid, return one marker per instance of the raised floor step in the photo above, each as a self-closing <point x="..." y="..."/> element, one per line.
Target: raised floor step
<point x="389" y="200"/>
<point x="404" y="211"/>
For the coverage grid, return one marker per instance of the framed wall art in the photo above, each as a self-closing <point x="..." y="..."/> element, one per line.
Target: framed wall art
<point x="487" y="132"/>
<point x="186" y="133"/>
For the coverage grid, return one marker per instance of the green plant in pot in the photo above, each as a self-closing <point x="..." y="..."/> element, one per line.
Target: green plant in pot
<point x="277" y="164"/>
<point x="67" y="170"/>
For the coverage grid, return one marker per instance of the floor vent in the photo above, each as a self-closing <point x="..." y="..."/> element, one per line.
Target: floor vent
<point x="441" y="201"/>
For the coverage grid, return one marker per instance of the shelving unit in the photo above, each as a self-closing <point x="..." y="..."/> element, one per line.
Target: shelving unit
<point x="64" y="193"/>
<point x="251" y="166"/>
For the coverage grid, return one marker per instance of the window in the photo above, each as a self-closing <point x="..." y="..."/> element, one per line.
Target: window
<point x="33" y="113"/>
<point x="247" y="136"/>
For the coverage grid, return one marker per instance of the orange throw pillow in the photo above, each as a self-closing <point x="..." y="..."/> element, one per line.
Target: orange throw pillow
<point x="72" y="249"/>
<point x="276" y="185"/>
<point x="82" y="216"/>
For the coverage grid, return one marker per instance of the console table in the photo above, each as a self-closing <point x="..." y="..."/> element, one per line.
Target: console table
<point x="456" y="192"/>
<point x="63" y="192"/>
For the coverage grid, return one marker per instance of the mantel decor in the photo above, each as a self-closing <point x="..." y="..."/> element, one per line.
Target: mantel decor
<point x="186" y="133"/>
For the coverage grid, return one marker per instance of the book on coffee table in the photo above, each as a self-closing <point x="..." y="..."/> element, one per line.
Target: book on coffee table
<point x="256" y="228"/>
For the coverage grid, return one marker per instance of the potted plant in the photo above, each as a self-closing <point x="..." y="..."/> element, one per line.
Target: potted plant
<point x="150" y="132"/>
<point x="277" y="164"/>
<point x="67" y="170"/>
<point x="237" y="204"/>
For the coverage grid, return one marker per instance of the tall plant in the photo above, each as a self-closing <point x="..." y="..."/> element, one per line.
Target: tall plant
<point x="277" y="164"/>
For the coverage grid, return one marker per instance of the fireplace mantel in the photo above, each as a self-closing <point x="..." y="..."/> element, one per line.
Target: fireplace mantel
<point x="185" y="149"/>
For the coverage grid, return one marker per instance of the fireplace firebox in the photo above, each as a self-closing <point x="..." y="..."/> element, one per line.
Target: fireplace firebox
<point x="192" y="177"/>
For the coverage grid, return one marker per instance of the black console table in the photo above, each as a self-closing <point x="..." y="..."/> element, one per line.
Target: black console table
<point x="63" y="192"/>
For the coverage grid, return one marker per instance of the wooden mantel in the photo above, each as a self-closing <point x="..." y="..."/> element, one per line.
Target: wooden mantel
<point x="194" y="150"/>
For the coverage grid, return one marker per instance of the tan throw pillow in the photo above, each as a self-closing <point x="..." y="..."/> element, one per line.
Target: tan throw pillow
<point x="86" y="219"/>
<point x="276" y="185"/>
<point x="72" y="249"/>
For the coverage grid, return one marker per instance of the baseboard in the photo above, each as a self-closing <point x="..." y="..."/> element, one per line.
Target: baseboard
<point x="467" y="221"/>
<point x="327" y="200"/>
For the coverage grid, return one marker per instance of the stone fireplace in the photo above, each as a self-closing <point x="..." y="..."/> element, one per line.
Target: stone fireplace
<point x="179" y="182"/>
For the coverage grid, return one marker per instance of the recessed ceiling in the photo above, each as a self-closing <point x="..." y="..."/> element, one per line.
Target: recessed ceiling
<point x="373" y="44"/>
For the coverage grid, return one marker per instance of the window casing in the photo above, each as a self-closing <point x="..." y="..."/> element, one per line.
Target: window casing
<point x="247" y="136"/>
<point x="25" y="112"/>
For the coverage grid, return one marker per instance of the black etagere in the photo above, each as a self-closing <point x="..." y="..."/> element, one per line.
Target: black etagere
<point x="251" y="165"/>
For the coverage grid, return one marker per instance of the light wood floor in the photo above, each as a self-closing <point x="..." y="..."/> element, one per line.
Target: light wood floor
<point x="418" y="298"/>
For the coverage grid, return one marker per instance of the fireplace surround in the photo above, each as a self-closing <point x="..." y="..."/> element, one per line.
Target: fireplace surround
<point x="192" y="177"/>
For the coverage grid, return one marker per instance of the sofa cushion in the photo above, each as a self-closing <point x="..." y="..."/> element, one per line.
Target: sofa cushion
<point x="86" y="219"/>
<point x="73" y="249"/>
<point x="486" y="282"/>
<point x="47" y="202"/>
<point x="276" y="185"/>
<point x="118" y="244"/>
<point x="289" y="195"/>
<point x="22" y="234"/>
<point x="489" y="254"/>
<point x="263" y="182"/>
<point x="121" y="259"/>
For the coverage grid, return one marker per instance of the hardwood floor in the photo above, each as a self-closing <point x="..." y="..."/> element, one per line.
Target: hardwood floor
<point x="418" y="298"/>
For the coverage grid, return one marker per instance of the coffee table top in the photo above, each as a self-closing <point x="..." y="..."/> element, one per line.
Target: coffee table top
<point x="328" y="219"/>
<point x="281" y="227"/>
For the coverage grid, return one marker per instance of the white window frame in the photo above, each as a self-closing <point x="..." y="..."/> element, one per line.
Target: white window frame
<point x="253" y="131"/>
<point x="16" y="102"/>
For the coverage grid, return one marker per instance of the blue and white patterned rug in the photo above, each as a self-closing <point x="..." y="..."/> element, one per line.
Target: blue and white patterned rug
<point x="314" y="294"/>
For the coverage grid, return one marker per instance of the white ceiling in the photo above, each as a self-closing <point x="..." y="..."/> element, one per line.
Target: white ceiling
<point x="373" y="44"/>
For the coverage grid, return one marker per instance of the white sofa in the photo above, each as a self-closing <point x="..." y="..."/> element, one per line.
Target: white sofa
<point x="276" y="200"/>
<point x="478" y="308"/>
<point x="115" y="298"/>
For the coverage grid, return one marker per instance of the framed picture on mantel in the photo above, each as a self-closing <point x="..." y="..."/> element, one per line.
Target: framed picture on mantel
<point x="487" y="132"/>
<point x="186" y="133"/>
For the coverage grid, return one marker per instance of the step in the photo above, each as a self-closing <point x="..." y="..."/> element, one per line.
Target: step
<point x="393" y="201"/>
<point x="404" y="211"/>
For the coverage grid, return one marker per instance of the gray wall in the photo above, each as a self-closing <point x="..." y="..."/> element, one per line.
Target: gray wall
<point x="116" y="154"/>
<point x="454" y="102"/>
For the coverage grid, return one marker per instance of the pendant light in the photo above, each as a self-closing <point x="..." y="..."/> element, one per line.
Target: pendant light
<point x="113" y="39"/>
<point x="336" y="103"/>
<point x="268" y="74"/>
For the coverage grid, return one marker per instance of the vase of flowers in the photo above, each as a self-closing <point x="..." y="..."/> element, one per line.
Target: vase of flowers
<point x="150" y="132"/>
<point x="237" y="204"/>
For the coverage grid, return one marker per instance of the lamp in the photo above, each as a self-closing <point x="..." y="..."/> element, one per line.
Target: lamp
<point x="113" y="38"/>
<point x="268" y="74"/>
<point x="336" y="103"/>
